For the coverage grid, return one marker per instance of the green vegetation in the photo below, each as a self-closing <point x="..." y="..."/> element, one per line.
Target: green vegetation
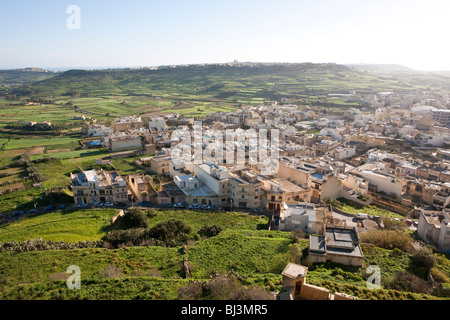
<point x="67" y="225"/>
<point x="353" y="207"/>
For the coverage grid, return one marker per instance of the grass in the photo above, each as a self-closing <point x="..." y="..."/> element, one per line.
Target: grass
<point x="246" y="252"/>
<point x="258" y="256"/>
<point x="225" y="220"/>
<point x="352" y="207"/>
<point x="70" y="226"/>
<point x="39" y="142"/>
<point x="142" y="288"/>
<point x="126" y="166"/>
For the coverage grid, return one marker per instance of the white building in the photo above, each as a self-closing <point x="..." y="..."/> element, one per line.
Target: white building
<point x="158" y="123"/>
<point x="343" y="152"/>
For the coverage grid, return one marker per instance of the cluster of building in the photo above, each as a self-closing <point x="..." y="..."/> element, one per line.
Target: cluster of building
<point x="321" y="156"/>
<point x="133" y="133"/>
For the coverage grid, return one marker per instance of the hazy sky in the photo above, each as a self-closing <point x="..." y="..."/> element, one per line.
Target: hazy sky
<point x="148" y="33"/>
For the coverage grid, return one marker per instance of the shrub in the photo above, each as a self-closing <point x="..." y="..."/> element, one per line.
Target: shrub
<point x="388" y="239"/>
<point x="58" y="276"/>
<point x="438" y="275"/>
<point x="192" y="291"/>
<point x="296" y="235"/>
<point x="169" y="231"/>
<point x="255" y="292"/>
<point x="40" y="245"/>
<point x="404" y="281"/>
<point x="442" y="290"/>
<point x="209" y="231"/>
<point x="392" y="224"/>
<point x="151" y="213"/>
<point x="111" y="271"/>
<point x="295" y="253"/>
<point x="424" y="258"/>
<point x="117" y="237"/>
<point x="306" y="261"/>
<point x="224" y="288"/>
<point x="134" y="218"/>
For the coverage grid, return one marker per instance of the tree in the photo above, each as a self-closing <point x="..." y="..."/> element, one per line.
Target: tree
<point x="134" y="218"/>
<point x="209" y="231"/>
<point x="171" y="230"/>
<point x="424" y="258"/>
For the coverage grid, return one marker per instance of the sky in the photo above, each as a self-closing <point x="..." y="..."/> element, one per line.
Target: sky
<point x="136" y="33"/>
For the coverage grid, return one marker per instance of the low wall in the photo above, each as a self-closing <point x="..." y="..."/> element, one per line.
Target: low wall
<point x="345" y="213"/>
<point x="312" y="292"/>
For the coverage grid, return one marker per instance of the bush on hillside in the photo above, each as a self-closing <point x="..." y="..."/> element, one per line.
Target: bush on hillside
<point x="388" y="239"/>
<point x="210" y="231"/>
<point x="173" y="229"/>
<point x="134" y="218"/>
<point x="424" y="258"/>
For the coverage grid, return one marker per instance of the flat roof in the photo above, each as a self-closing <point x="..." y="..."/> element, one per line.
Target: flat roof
<point x="294" y="271"/>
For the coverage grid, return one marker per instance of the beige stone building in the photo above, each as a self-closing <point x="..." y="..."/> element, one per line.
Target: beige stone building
<point x="123" y="142"/>
<point x="281" y="190"/>
<point x="159" y="164"/>
<point x="141" y="189"/>
<point x="127" y="123"/>
<point x="98" y="186"/>
<point x="296" y="288"/>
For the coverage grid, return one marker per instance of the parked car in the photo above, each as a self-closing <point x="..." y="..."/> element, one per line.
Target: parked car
<point x="82" y="205"/>
<point x="32" y="211"/>
<point x="49" y="208"/>
<point x="179" y="205"/>
<point x="416" y="223"/>
<point x="217" y="207"/>
<point x="61" y="207"/>
<point x="408" y="221"/>
<point x="121" y="204"/>
<point x="166" y="205"/>
<point x="109" y="204"/>
<point x="257" y="210"/>
<point x="194" y="206"/>
<point x="18" y="212"/>
<point x="362" y="216"/>
<point x="206" y="207"/>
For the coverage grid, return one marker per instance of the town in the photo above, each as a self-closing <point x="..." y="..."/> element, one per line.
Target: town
<point x="394" y="158"/>
<point x="329" y="178"/>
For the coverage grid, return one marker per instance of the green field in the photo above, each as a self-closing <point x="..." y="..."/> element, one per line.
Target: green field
<point x="39" y="142"/>
<point x="70" y="226"/>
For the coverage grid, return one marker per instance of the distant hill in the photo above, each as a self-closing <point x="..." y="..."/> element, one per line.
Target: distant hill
<point x="382" y="68"/>
<point x="221" y="83"/>
<point x="24" y="76"/>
